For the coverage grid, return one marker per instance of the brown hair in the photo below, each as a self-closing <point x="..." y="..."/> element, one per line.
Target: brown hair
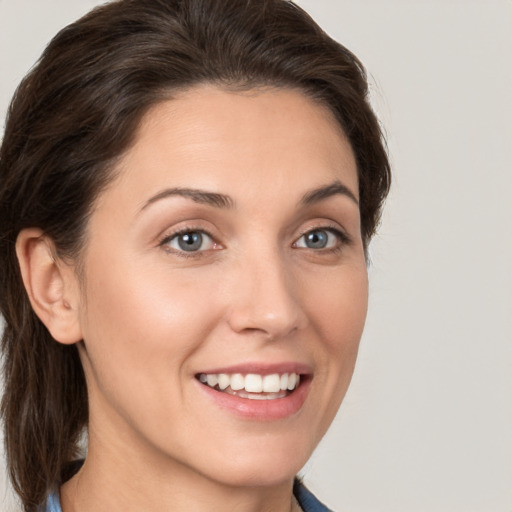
<point x="77" y="111"/>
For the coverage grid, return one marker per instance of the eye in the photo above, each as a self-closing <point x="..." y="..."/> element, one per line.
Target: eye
<point x="189" y="241"/>
<point x="320" y="239"/>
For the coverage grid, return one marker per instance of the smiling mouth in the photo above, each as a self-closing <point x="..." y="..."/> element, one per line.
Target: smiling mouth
<point x="252" y="385"/>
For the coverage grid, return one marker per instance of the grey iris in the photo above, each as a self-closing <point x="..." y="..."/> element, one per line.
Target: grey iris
<point x="316" y="239"/>
<point x="190" y="241"/>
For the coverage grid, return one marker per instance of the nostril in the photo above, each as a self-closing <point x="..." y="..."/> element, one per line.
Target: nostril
<point x="271" y="325"/>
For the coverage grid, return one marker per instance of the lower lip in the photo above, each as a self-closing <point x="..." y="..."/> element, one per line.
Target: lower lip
<point x="261" y="410"/>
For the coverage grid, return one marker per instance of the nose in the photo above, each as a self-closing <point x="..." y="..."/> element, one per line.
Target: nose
<point x="265" y="299"/>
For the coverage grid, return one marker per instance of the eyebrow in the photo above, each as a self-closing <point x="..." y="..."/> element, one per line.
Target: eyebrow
<point x="226" y="202"/>
<point x="321" y="193"/>
<point x="198" y="196"/>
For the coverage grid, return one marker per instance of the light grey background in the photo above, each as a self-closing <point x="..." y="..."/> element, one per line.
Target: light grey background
<point x="427" y="423"/>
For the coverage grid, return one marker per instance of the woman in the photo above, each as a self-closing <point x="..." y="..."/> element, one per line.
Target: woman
<point x="188" y="189"/>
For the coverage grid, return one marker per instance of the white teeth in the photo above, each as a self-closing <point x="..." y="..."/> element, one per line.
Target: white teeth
<point x="212" y="380"/>
<point x="253" y="383"/>
<point x="271" y="383"/>
<point x="237" y="382"/>
<point x="224" y="381"/>
<point x="292" y="380"/>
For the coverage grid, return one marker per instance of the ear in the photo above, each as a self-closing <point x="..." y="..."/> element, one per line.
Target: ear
<point x="51" y="285"/>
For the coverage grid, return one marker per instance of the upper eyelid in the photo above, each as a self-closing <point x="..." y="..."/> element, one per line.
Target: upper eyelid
<point x="172" y="233"/>
<point x="337" y="230"/>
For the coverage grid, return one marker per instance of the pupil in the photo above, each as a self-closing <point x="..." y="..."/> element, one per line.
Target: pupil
<point x="316" y="239"/>
<point x="190" y="241"/>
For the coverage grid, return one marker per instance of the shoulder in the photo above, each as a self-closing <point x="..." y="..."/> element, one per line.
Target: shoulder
<point x="307" y="501"/>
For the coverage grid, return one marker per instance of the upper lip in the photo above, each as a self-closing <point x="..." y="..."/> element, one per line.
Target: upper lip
<point x="260" y="368"/>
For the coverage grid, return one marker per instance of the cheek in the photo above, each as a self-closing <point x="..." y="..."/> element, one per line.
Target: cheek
<point x="143" y="322"/>
<point x="338" y="309"/>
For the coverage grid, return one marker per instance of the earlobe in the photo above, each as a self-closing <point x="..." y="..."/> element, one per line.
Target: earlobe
<point x="51" y="285"/>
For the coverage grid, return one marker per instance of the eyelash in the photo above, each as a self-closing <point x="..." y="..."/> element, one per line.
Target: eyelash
<point x="342" y="237"/>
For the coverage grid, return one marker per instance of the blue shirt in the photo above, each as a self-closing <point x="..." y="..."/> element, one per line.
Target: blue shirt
<point x="306" y="500"/>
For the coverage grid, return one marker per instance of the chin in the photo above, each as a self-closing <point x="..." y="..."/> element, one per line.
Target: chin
<point x="272" y="474"/>
<point x="264" y="464"/>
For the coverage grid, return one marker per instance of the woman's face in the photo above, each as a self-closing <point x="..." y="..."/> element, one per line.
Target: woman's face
<point x="226" y="254"/>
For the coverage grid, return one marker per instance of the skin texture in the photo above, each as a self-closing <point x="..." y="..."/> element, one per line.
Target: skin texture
<point x="152" y="316"/>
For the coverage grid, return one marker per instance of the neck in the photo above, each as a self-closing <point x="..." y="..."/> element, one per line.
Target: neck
<point x="128" y="482"/>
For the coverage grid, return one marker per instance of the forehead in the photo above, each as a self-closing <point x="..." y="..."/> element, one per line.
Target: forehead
<point x="217" y="139"/>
